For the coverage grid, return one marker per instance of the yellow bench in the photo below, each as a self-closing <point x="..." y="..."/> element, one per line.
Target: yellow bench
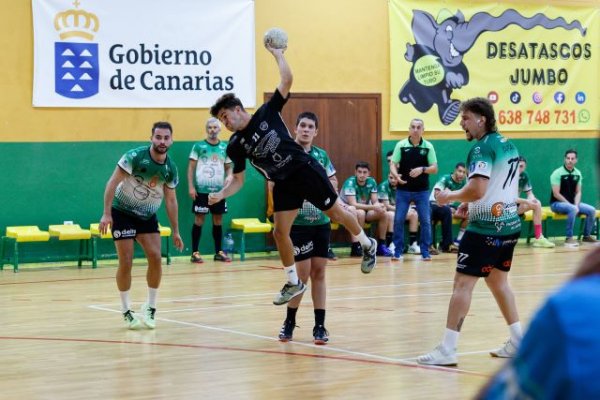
<point x="244" y="226"/>
<point x="164" y="231"/>
<point x="19" y="234"/>
<point x="74" y="232"/>
<point x="434" y="225"/>
<point x="95" y="231"/>
<point x="563" y="217"/>
<point x="528" y="217"/>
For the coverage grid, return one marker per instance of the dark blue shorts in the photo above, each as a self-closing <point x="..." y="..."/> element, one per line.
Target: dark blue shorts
<point x="478" y="254"/>
<point x="310" y="241"/>
<point x="200" y="205"/>
<point x="307" y="183"/>
<point x="127" y="226"/>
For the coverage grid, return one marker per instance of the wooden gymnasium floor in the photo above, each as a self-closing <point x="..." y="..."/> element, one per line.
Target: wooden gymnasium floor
<point x="62" y="336"/>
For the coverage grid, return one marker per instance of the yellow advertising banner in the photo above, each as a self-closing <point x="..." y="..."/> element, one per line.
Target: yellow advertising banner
<point x="538" y="64"/>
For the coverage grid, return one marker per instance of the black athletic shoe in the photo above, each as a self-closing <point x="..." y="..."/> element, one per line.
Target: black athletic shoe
<point x="320" y="334"/>
<point x="222" y="256"/>
<point x="287" y="331"/>
<point x="356" y="250"/>
<point x="331" y="255"/>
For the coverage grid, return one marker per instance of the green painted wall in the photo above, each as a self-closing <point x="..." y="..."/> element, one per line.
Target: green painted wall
<point x="48" y="183"/>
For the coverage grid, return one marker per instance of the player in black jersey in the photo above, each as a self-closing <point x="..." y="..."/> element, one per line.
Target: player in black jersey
<point x="265" y="140"/>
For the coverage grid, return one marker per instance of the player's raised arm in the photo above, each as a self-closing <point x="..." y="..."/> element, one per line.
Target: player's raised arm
<point x="284" y="71"/>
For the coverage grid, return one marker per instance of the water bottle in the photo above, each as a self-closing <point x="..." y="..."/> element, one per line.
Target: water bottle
<point x="228" y="244"/>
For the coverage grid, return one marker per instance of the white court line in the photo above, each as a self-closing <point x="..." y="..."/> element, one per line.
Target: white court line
<point x="259" y="295"/>
<point x="512" y="277"/>
<point x="345" y="288"/>
<point x="402" y="361"/>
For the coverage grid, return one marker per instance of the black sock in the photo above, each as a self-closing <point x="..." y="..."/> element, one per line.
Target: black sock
<point x="217" y="236"/>
<point x="380" y="242"/>
<point x="319" y="317"/>
<point x="291" y="315"/>
<point x="388" y="238"/>
<point x="412" y="237"/>
<point x="196" y="233"/>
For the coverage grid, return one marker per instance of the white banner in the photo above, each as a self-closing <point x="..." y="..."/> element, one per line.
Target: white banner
<point x="142" y="53"/>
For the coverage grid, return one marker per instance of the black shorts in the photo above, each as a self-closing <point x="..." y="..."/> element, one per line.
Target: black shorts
<point x="127" y="226"/>
<point x="310" y="241"/>
<point x="478" y="254"/>
<point x="307" y="183"/>
<point x="200" y="205"/>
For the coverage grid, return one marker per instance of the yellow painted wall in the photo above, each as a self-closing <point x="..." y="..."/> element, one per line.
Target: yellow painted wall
<point x="334" y="46"/>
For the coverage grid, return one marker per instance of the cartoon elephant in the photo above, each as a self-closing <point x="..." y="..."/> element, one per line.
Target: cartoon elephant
<point x="438" y="53"/>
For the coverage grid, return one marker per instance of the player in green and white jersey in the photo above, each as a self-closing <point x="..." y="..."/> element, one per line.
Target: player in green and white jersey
<point x="360" y="191"/>
<point x="445" y="213"/>
<point x="209" y="170"/>
<point x="486" y="249"/>
<point x="134" y="192"/>
<point x="531" y="203"/>
<point x="310" y="236"/>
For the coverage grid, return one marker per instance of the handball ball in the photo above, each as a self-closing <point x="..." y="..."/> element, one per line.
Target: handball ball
<point x="275" y="38"/>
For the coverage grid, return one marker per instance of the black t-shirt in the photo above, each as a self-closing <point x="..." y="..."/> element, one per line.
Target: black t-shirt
<point x="267" y="143"/>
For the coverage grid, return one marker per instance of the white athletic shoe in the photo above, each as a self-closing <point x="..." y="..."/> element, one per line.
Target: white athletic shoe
<point x="439" y="356"/>
<point x="507" y="351"/>
<point x="131" y="320"/>
<point x="414" y="248"/>
<point x="148" y="316"/>
<point x="392" y="247"/>
<point x="543" y="242"/>
<point x="288" y="292"/>
<point x="570" y="242"/>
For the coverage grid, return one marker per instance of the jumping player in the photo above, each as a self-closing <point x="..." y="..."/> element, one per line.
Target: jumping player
<point x="264" y="139"/>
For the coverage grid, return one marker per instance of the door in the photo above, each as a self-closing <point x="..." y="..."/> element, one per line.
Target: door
<point x="349" y="127"/>
<point x="349" y="130"/>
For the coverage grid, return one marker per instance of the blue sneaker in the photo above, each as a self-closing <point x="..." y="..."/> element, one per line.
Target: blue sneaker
<point x="320" y="334"/>
<point x="287" y="331"/>
<point x="384" y="251"/>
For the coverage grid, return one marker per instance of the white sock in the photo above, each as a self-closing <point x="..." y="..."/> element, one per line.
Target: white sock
<point x="364" y="240"/>
<point x="460" y="234"/>
<point x="450" y="340"/>
<point x="125" y="302"/>
<point x="292" y="275"/>
<point x="516" y="333"/>
<point x="152" y="294"/>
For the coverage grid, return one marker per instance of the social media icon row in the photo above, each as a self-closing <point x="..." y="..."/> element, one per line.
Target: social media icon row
<point x="537" y="97"/>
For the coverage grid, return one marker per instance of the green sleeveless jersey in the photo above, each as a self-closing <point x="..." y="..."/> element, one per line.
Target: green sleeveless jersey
<point x="309" y="214"/>
<point x="142" y="192"/>
<point x="209" y="176"/>
<point x="446" y="182"/>
<point x="496" y="158"/>
<point x="362" y="193"/>
<point x="387" y="192"/>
